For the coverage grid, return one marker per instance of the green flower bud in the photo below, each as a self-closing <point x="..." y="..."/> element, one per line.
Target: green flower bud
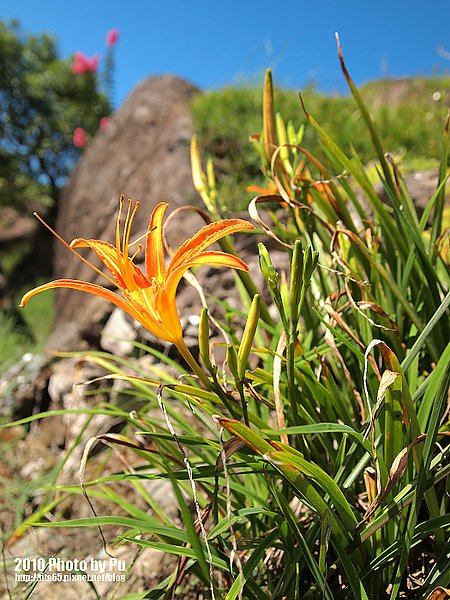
<point x="310" y="260"/>
<point x="291" y="134"/>
<point x="296" y="282"/>
<point x="267" y="268"/>
<point x="198" y="176"/>
<point x="283" y="140"/>
<point x="203" y="340"/>
<point x="273" y="281"/>
<point x="232" y="361"/>
<point x="248" y="336"/>
<point x="210" y="174"/>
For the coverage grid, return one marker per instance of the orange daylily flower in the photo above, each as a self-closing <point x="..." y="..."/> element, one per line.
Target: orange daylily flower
<point x="149" y="296"/>
<point x="270" y="190"/>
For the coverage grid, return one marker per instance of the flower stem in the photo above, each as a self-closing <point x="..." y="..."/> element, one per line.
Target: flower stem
<point x="214" y="386"/>
<point x="186" y="354"/>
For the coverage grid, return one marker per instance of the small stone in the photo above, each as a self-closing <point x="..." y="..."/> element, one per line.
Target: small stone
<point x="118" y="334"/>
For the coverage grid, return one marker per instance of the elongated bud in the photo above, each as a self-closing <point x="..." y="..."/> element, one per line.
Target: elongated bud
<point x="310" y="260"/>
<point x="248" y="336"/>
<point x="198" y="176"/>
<point x="210" y="174"/>
<point x="296" y="281"/>
<point x="269" y="131"/>
<point x="203" y="340"/>
<point x="272" y="279"/>
<point x="267" y="268"/>
<point x="212" y="187"/>
<point x="290" y="132"/>
<point x="283" y="140"/>
<point x="303" y="265"/>
<point x="232" y="361"/>
<point x="300" y="133"/>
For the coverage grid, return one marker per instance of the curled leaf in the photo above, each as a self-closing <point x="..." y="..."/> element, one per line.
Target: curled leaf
<point x="439" y="593"/>
<point x="387" y="379"/>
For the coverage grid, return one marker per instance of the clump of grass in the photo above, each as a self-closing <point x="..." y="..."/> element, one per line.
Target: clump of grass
<point x="321" y="471"/>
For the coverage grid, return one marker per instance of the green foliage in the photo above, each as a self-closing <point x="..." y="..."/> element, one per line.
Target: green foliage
<point x="403" y="111"/>
<point x="42" y="103"/>
<point x="14" y="341"/>
<point x="39" y="319"/>
<point x="24" y="332"/>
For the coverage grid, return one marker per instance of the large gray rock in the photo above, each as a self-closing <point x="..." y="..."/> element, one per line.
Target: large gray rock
<point x="143" y="153"/>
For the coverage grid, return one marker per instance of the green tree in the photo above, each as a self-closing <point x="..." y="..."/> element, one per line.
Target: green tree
<point x="42" y="101"/>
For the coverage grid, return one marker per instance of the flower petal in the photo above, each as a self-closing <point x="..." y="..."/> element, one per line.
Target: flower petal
<point x="167" y="328"/>
<point x="213" y="259"/>
<point x="204" y="238"/>
<point x="108" y="255"/>
<point x="82" y="286"/>
<point x="155" y="264"/>
<point x="219" y="259"/>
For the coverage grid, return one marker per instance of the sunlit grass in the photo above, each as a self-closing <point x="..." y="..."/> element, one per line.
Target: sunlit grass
<point x="225" y="118"/>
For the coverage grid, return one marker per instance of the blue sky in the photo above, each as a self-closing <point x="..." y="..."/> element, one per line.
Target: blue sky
<point x="215" y="43"/>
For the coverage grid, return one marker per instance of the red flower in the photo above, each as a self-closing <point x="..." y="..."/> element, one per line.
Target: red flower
<point x="79" y="137"/>
<point x="79" y="63"/>
<point x="112" y="37"/>
<point x="92" y="63"/>
<point x="82" y="64"/>
<point x="103" y="123"/>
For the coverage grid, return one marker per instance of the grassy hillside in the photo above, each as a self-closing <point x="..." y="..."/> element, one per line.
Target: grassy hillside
<point x="409" y="114"/>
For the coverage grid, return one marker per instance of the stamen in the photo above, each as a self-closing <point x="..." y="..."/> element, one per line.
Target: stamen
<point x="123" y="258"/>
<point x="127" y="229"/>
<point x="69" y="247"/>
<point x="144" y="235"/>
<point x="139" y="249"/>
<point x="118" y="226"/>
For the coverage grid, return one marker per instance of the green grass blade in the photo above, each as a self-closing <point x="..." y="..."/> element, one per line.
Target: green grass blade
<point x="177" y="550"/>
<point x="426" y="332"/>
<point x="322" y="428"/>
<point x="440" y="202"/>
<point x="427" y="405"/>
<point x="146" y="525"/>
<point x="367" y="118"/>
<point x="354" y="578"/>
<point x="251" y="564"/>
<point x="420" y="493"/>
<point x="302" y="544"/>
<point x="293" y="458"/>
<point x="296" y="478"/>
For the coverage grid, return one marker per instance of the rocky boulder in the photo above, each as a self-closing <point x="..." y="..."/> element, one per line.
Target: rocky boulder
<point x="143" y="153"/>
